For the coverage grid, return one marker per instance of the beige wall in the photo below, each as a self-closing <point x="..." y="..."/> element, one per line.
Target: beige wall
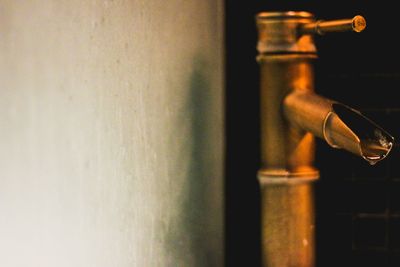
<point x="111" y="133"/>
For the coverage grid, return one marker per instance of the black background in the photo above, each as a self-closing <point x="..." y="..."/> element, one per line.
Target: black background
<point x="357" y="205"/>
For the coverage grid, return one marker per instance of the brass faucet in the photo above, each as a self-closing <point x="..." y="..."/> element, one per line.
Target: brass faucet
<point x="291" y="115"/>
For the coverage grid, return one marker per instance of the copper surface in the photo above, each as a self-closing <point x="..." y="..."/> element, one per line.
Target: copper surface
<point x="288" y="126"/>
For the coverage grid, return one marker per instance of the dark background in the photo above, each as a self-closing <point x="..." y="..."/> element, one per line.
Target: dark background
<point x="357" y="205"/>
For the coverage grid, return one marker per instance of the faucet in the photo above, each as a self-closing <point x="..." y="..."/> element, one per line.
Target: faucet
<point x="292" y="114"/>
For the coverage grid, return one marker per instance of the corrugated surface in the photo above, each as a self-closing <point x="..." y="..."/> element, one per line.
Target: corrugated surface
<point x="111" y="133"/>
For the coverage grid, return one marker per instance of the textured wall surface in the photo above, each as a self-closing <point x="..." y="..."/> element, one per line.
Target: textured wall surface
<point x="111" y="133"/>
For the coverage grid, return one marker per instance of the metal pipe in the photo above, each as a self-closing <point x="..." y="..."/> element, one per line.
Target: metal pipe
<point x="288" y="222"/>
<point x="287" y="173"/>
<point x="291" y="115"/>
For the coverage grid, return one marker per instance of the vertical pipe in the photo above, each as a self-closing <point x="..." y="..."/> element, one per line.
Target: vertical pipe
<point x="284" y="146"/>
<point x="287" y="152"/>
<point x="287" y="172"/>
<point x="287" y="222"/>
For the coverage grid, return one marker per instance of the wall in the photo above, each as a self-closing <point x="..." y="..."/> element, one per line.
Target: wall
<point x="111" y="133"/>
<point x="359" y="200"/>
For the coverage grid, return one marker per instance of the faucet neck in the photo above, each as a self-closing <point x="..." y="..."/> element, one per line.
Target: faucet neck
<point x="285" y="147"/>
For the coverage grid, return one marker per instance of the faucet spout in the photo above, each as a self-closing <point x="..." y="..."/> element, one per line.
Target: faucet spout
<point x="339" y="125"/>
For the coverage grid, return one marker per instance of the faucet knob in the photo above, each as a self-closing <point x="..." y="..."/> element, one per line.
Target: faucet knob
<point x="292" y="32"/>
<point x="355" y="24"/>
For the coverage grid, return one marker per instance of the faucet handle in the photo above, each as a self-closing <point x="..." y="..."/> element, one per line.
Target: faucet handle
<point x="356" y="24"/>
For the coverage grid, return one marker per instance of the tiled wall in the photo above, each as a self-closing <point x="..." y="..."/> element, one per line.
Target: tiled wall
<point x="358" y="205"/>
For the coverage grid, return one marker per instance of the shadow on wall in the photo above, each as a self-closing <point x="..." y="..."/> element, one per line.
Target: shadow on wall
<point x="196" y="234"/>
